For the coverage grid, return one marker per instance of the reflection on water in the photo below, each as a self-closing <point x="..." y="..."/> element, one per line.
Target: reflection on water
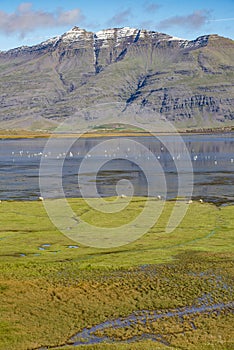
<point x="212" y="158"/>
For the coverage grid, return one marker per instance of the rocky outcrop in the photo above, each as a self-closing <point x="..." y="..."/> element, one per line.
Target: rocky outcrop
<point x="188" y="82"/>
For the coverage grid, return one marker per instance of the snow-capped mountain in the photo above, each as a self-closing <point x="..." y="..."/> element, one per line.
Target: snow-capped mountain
<point x="188" y="82"/>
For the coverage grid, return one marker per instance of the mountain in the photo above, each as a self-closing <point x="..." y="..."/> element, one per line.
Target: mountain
<point x="117" y="73"/>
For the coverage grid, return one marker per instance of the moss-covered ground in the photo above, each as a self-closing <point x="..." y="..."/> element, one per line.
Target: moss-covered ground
<point x="51" y="288"/>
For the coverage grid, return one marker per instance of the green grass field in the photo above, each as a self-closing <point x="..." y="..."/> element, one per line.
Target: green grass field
<point x="52" y="288"/>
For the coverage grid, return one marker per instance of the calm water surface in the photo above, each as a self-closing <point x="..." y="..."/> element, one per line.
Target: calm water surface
<point x="212" y="158"/>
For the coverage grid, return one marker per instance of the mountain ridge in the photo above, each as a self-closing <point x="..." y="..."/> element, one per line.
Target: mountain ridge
<point x="130" y="70"/>
<point x="109" y="33"/>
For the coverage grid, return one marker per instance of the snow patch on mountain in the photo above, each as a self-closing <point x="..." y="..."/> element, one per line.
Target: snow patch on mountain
<point x="76" y="34"/>
<point x="119" y="33"/>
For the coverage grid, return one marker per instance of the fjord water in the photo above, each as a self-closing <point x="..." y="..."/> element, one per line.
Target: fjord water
<point x="212" y="158"/>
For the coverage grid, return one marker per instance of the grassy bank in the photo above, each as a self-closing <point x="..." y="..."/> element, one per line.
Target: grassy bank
<point x="106" y="132"/>
<point x="52" y="287"/>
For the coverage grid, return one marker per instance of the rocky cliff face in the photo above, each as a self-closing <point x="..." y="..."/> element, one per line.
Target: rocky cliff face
<point x="118" y="71"/>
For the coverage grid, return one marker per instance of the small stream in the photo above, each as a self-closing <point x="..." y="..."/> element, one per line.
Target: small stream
<point x="87" y="335"/>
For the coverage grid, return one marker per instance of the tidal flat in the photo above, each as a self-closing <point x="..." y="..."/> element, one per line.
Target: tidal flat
<point x="162" y="291"/>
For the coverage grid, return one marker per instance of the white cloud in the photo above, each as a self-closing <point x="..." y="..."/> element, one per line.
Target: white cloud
<point x="25" y="19"/>
<point x="194" y="20"/>
<point x="151" y="7"/>
<point x="120" y="17"/>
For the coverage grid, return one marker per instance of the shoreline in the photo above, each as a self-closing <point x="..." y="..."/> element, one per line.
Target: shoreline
<point x="24" y="134"/>
<point x="218" y="203"/>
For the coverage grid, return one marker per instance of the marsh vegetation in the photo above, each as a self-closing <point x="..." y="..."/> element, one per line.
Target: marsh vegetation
<point x="51" y="292"/>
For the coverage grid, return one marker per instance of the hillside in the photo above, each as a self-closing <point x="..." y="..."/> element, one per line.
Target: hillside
<point x="116" y="74"/>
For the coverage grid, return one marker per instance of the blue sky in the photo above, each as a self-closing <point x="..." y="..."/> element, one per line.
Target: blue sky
<point x="28" y="23"/>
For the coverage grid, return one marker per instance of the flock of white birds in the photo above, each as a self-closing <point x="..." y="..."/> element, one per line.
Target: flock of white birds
<point x="107" y="154"/>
